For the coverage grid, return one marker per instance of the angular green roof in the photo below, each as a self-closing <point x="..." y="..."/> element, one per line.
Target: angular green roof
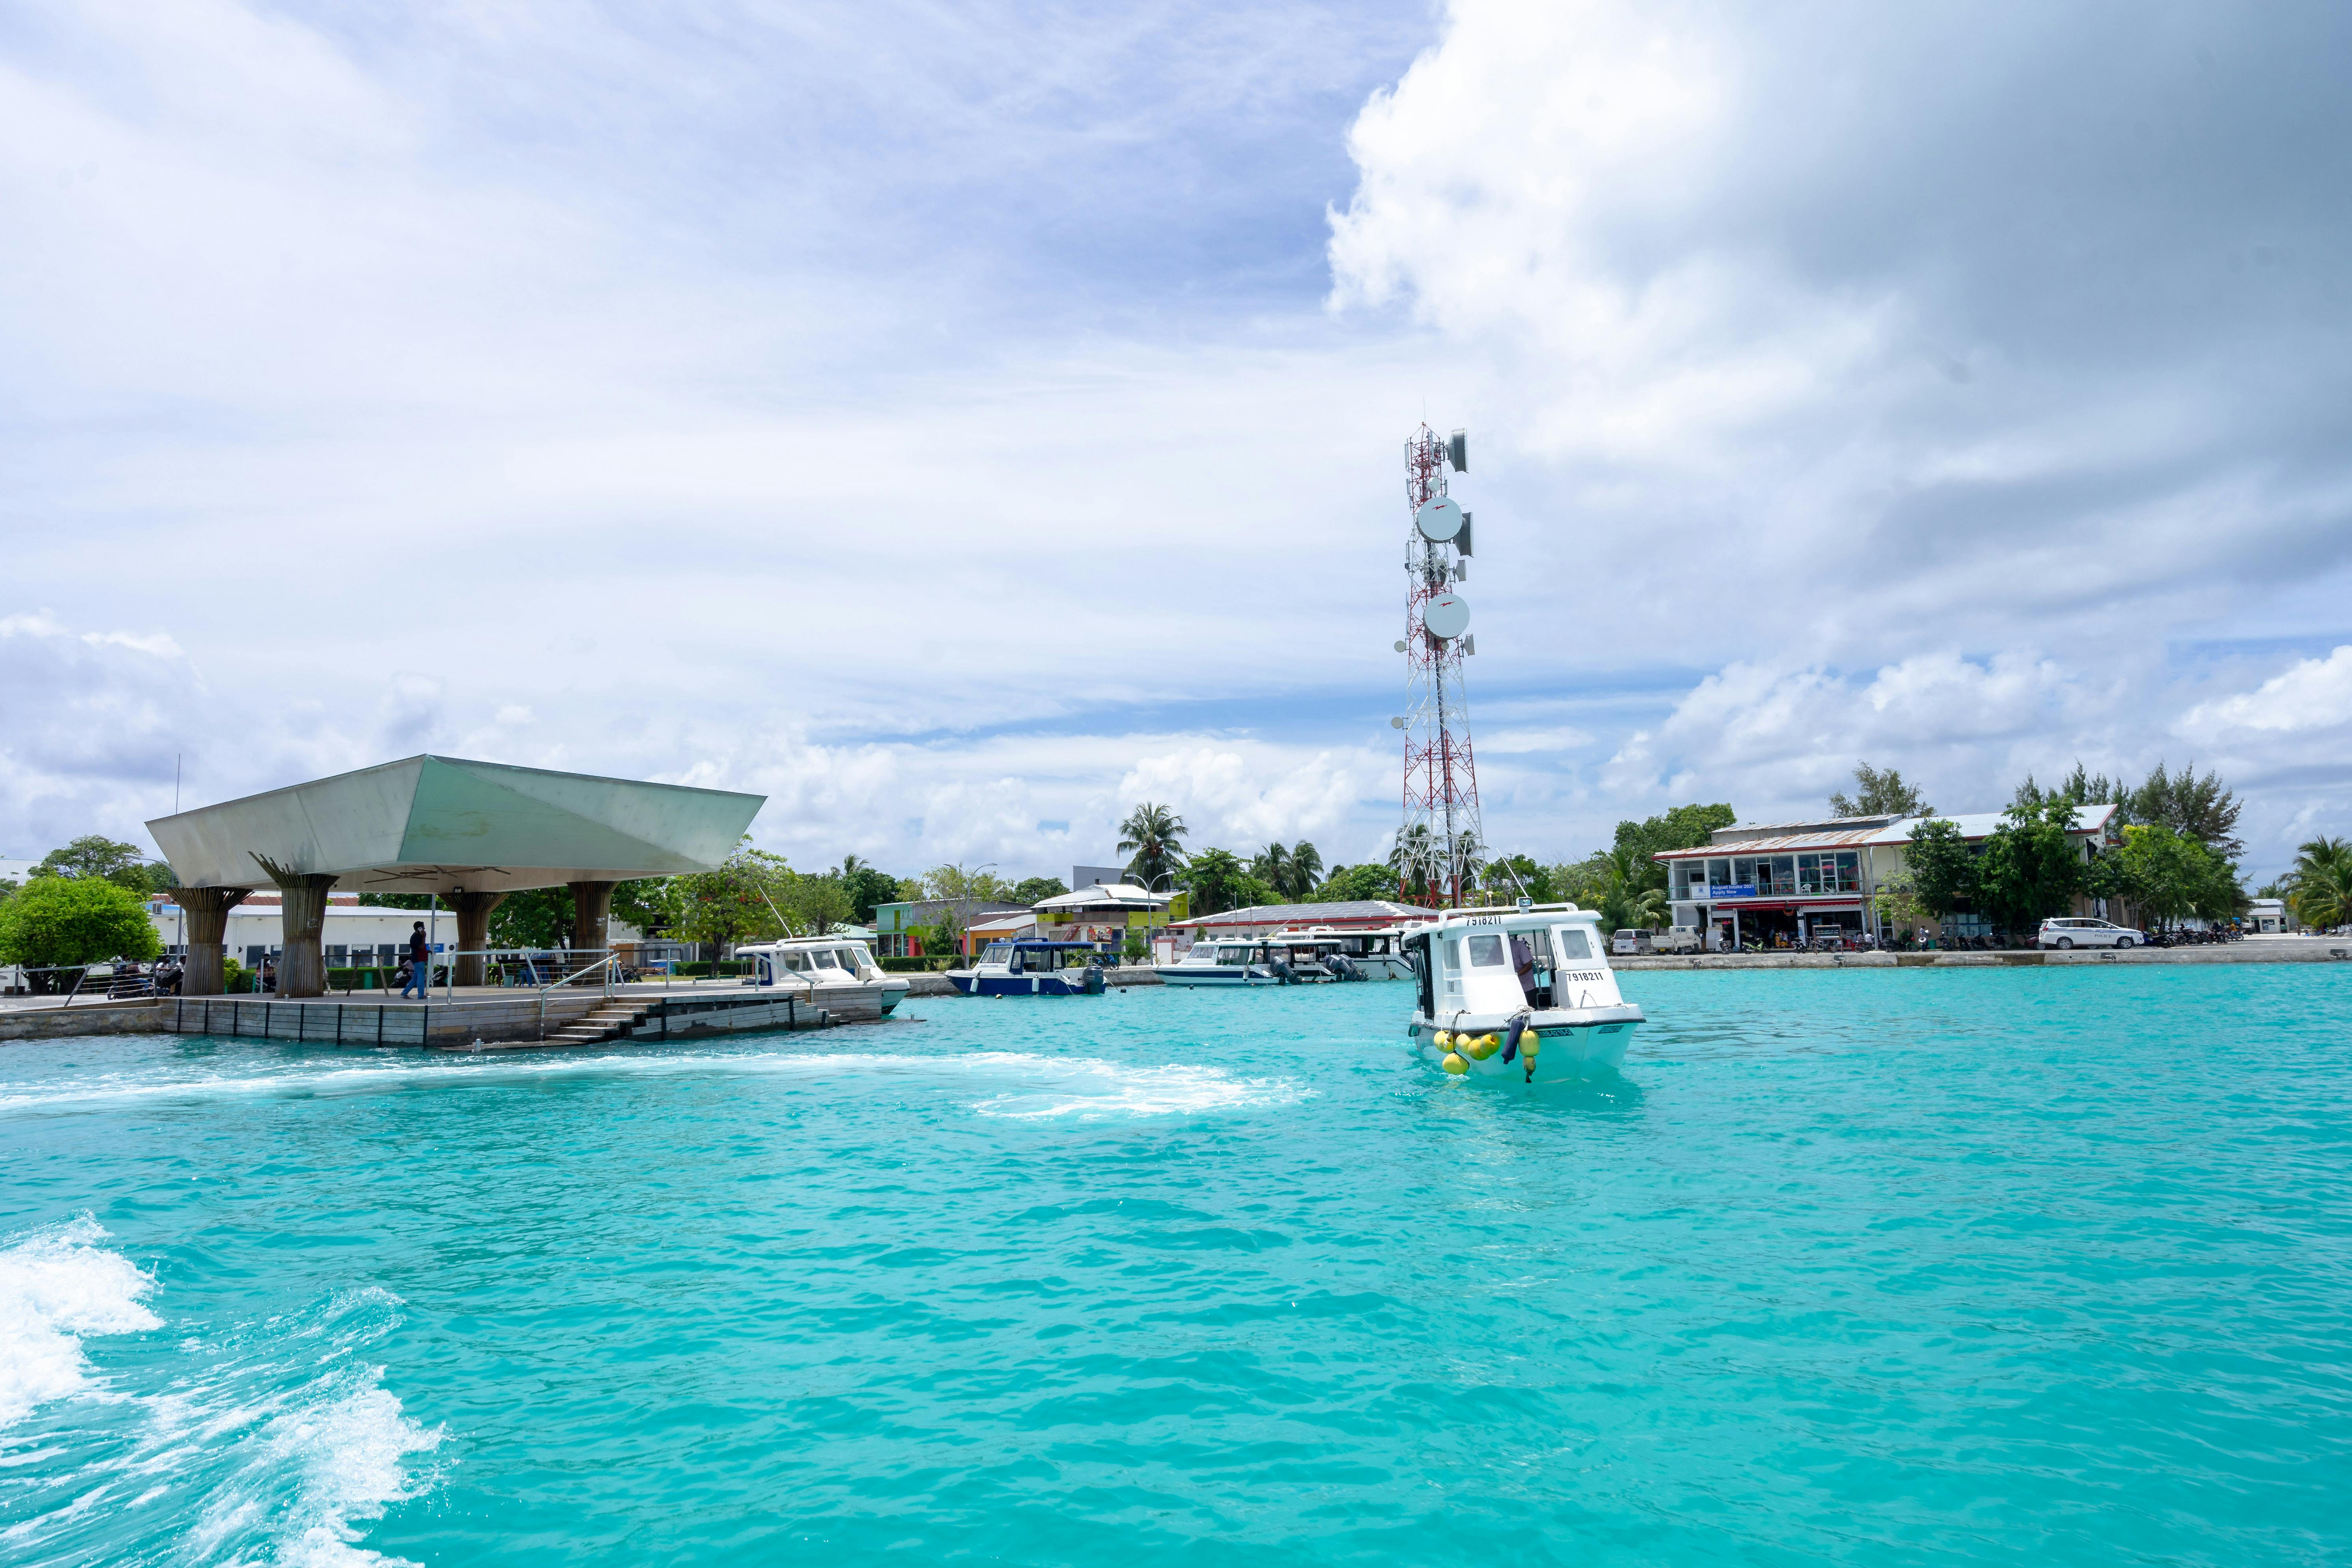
<point x="430" y="824"/>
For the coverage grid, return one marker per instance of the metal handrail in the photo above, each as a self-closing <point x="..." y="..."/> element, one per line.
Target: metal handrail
<point x="604" y="963"/>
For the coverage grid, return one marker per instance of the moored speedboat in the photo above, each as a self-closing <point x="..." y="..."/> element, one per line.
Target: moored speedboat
<point x="1231" y="961"/>
<point x="1031" y="969"/>
<point x="822" y="963"/>
<point x="1523" y="994"/>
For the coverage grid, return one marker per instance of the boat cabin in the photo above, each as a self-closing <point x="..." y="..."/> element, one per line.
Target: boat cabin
<point x="1545" y="956"/>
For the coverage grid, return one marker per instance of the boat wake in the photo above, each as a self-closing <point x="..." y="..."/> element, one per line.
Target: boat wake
<point x="273" y="1441"/>
<point x="1050" y="1085"/>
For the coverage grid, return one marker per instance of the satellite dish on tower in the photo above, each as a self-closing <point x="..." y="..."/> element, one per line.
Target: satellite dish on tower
<point x="1446" y="616"/>
<point x="1439" y="519"/>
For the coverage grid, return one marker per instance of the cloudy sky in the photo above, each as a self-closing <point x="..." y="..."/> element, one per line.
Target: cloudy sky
<point x="960" y="424"/>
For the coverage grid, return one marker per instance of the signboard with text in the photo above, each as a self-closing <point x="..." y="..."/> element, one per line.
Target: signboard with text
<point x="1731" y="890"/>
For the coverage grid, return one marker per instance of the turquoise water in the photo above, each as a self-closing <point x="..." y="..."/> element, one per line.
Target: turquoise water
<point x="1959" y="1267"/>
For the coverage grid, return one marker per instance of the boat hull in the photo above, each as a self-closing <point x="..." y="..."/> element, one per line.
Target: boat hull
<point x="971" y="984"/>
<point x="1573" y="1042"/>
<point x="1212" y="974"/>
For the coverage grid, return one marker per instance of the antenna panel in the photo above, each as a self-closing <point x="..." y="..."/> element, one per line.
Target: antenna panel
<point x="1457" y="451"/>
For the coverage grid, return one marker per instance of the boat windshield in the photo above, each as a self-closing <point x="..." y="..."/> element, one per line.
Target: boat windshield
<point x="996" y="953"/>
<point x="1484" y="951"/>
<point x="1575" y="944"/>
<point x="825" y="959"/>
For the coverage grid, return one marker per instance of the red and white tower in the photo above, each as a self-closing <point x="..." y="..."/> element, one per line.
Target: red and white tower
<point x="1440" y="846"/>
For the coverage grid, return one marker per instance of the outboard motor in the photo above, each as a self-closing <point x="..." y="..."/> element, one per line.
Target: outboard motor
<point x="1340" y="968"/>
<point x="1283" y="973"/>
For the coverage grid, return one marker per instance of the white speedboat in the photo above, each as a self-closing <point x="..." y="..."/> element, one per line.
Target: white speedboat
<point x="1370" y="954"/>
<point x="1033" y="969"/>
<point x="1231" y="961"/>
<point x="822" y="963"/>
<point x="1520" y="995"/>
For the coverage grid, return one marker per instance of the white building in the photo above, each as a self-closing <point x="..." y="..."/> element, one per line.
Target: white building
<point x="2270" y="915"/>
<point x="353" y="936"/>
<point x="1801" y="881"/>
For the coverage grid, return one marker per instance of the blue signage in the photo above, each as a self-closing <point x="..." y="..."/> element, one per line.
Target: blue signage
<point x="1731" y="890"/>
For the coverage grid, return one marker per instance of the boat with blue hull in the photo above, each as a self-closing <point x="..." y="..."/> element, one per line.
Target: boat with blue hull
<point x="1027" y="968"/>
<point x="1518" y="994"/>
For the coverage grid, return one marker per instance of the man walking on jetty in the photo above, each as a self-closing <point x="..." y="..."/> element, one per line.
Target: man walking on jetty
<point x="420" y="965"/>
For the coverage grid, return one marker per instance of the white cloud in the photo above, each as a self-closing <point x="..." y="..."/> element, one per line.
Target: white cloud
<point x="2316" y="694"/>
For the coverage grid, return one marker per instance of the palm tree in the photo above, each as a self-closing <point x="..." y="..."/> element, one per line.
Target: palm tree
<point x="1271" y="866"/>
<point x="2322" y="882"/>
<point x="1155" y="835"/>
<point x="1307" y="865"/>
<point x="1410" y="861"/>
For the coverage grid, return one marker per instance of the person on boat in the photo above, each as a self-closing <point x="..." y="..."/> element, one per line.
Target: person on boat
<point x="1523" y="959"/>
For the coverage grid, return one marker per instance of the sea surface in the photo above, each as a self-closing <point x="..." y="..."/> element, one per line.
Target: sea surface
<point x="1981" y="1267"/>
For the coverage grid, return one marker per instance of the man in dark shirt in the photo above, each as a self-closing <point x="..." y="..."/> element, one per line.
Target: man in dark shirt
<point x="420" y="961"/>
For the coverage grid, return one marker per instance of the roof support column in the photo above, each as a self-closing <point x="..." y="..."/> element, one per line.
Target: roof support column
<point x="302" y="970"/>
<point x="208" y="910"/>
<point x="473" y="912"/>
<point x="592" y="904"/>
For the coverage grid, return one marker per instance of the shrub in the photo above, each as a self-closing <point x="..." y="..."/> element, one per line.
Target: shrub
<point x="75" y="920"/>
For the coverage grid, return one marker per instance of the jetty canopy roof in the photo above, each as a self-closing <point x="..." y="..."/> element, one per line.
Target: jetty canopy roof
<point x="435" y="825"/>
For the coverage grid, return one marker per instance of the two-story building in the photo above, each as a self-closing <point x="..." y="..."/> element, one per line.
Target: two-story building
<point x="1799" y="881"/>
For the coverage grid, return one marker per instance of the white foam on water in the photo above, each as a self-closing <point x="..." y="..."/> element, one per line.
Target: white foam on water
<point x="57" y="1286"/>
<point x="1053" y="1086"/>
<point x="274" y="1444"/>
<point x="1089" y="1089"/>
<point x="351" y="1455"/>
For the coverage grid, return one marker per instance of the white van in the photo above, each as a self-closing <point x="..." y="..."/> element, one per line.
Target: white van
<point x="1631" y="940"/>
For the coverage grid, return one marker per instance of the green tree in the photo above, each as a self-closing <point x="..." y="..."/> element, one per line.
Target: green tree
<point x="2319" y="888"/>
<point x="1356" y="884"/>
<point x="1899" y="909"/>
<point x="2191" y="808"/>
<point x="1154" y="837"/>
<point x="534" y="918"/>
<point x="651" y="904"/>
<point x="1515" y="874"/>
<point x="2030" y="867"/>
<point x="867" y="888"/>
<point x="7" y="888"/>
<point x="954" y="881"/>
<point x="815" y="905"/>
<point x="737" y="901"/>
<point x="2165" y="876"/>
<point x="94" y="855"/>
<point x="1877" y="792"/>
<point x="1293" y="870"/>
<point x="401" y="901"/>
<point x="1037" y="890"/>
<point x="75" y="920"/>
<point x="1218" y="881"/>
<point x="1683" y="827"/>
<point x="1942" y="870"/>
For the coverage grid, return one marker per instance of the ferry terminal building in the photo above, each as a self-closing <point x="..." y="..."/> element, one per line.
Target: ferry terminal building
<point x="1798" y="882"/>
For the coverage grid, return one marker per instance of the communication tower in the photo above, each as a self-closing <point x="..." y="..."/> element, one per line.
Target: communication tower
<point x="1439" y="844"/>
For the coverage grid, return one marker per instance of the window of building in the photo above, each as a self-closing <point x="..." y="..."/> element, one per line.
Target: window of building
<point x="1743" y="873"/>
<point x="1809" y="873"/>
<point x="1849" y="872"/>
<point x="1718" y="871"/>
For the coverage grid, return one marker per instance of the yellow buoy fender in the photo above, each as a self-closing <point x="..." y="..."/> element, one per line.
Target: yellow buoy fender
<point x="1441" y="1040"/>
<point x="1484" y="1046"/>
<point x="1529" y="1043"/>
<point x="1454" y="1063"/>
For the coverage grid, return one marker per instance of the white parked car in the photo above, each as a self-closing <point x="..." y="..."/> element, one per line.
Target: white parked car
<point x="1680" y="939"/>
<point x="2070" y="930"/>
<point x="1630" y="941"/>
